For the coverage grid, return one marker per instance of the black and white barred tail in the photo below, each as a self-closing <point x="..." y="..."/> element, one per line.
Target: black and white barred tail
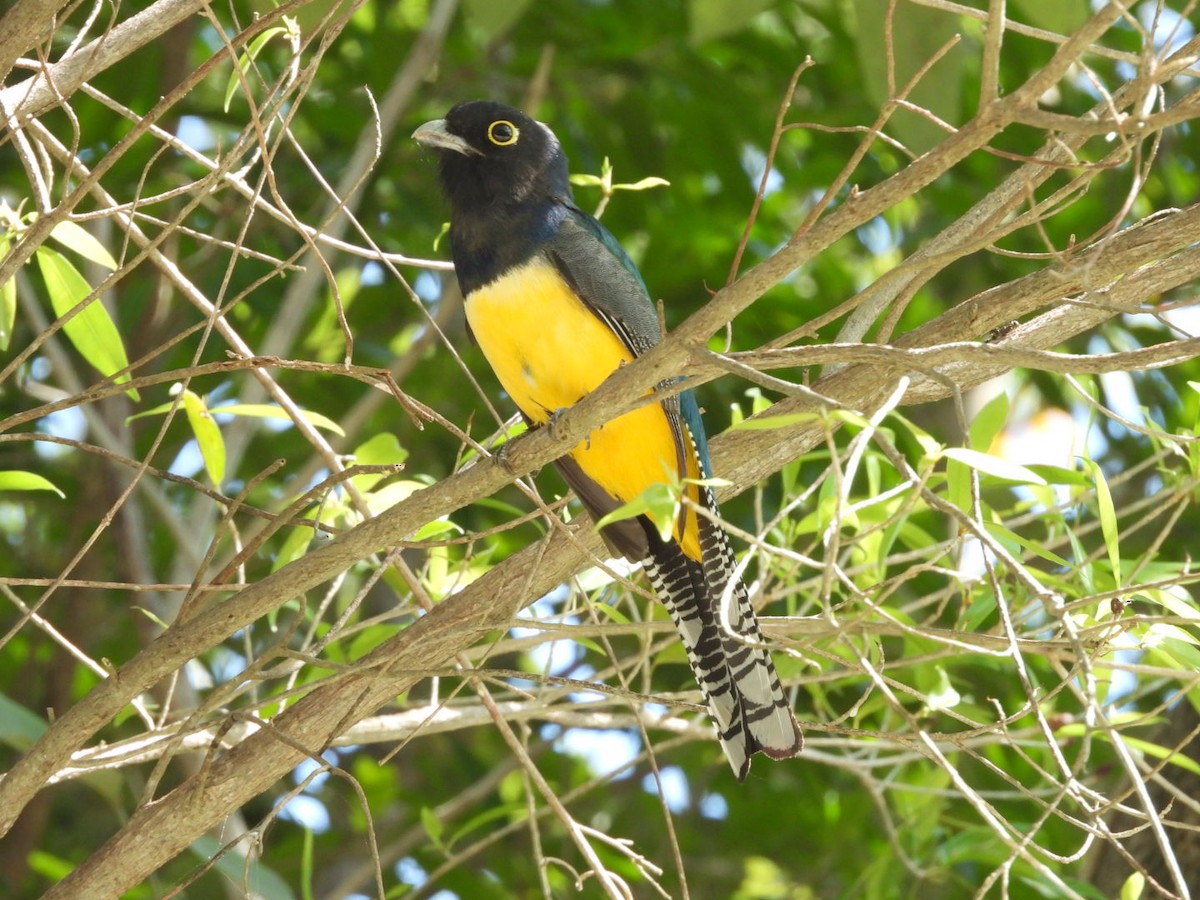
<point x="727" y="652"/>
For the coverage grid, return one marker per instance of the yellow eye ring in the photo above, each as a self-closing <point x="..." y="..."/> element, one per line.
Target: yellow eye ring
<point x="503" y="133"/>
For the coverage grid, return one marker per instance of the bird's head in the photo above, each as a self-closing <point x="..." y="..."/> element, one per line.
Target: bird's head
<point x="493" y="155"/>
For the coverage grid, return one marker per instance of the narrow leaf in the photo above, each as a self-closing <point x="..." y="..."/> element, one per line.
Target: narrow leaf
<point x="986" y="423"/>
<point x="77" y="238"/>
<point x="17" y="480"/>
<point x="1134" y="887"/>
<point x="157" y="411"/>
<point x="433" y="825"/>
<point x="1108" y="517"/>
<point x="244" y="60"/>
<point x="8" y="301"/>
<point x="91" y="330"/>
<point x="993" y="465"/>
<point x="208" y="436"/>
<point x="267" y="411"/>
<point x="658" y="502"/>
<point x="1078" y="729"/>
<point x="764" y="423"/>
<point x="643" y="184"/>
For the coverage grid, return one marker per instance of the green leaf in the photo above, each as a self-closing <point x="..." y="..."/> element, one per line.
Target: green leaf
<point x="659" y="502"/>
<point x="1059" y="475"/>
<point x="764" y="423"/>
<point x="19" y="727"/>
<point x="433" y="825"/>
<point x="437" y="238"/>
<point x="993" y="465"/>
<point x="267" y="411"/>
<point x="250" y="876"/>
<point x="295" y="544"/>
<point x="1175" y="605"/>
<point x="492" y="18"/>
<point x="988" y="422"/>
<point x="1108" y="516"/>
<point x="380" y="450"/>
<point x="91" y="330"/>
<point x="77" y="238"/>
<point x="18" y="480"/>
<point x="1035" y="547"/>
<point x="8" y="301"/>
<point x="156" y="411"/>
<point x="52" y="868"/>
<point x="1077" y="729"/>
<point x="1061" y="17"/>
<point x="245" y="58"/>
<point x="943" y="696"/>
<point x="1134" y="887"/>
<point x="208" y="435"/>
<point x="651" y="181"/>
<point x="306" y="866"/>
<point x="712" y="19"/>
<point x="153" y="617"/>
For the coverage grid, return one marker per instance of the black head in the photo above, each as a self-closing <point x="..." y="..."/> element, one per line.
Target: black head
<point x="493" y="156"/>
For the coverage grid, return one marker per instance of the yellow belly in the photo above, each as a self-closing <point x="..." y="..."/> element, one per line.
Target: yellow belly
<point x="549" y="351"/>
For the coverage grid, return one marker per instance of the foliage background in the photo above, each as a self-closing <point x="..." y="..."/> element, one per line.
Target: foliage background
<point x="1016" y="722"/>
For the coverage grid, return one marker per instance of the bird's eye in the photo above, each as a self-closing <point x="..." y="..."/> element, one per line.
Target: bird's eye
<point x="502" y="133"/>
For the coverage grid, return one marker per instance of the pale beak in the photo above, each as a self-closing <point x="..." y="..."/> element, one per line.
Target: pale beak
<point x="434" y="134"/>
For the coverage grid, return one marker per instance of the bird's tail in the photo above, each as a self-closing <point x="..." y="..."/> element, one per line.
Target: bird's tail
<point x="726" y="650"/>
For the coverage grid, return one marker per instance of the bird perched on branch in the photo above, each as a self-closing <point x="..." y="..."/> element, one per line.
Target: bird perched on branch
<point x="557" y="305"/>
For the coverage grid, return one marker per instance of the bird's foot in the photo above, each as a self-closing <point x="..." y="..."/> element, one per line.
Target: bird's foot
<point x="500" y="458"/>
<point x="553" y="421"/>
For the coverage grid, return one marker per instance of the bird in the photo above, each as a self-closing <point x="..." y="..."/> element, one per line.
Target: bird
<point x="556" y="305"/>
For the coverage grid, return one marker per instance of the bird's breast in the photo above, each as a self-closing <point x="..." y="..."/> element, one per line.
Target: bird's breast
<point x="544" y="344"/>
<point x="549" y="350"/>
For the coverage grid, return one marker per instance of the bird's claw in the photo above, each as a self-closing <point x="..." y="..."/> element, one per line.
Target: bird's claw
<point x="552" y="422"/>
<point x="500" y="458"/>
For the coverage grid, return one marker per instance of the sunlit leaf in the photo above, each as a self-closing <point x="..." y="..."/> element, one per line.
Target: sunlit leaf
<point x="382" y="449"/>
<point x="1059" y="475"/>
<point x="943" y="696"/>
<point x="1177" y="758"/>
<point x="766" y="423"/>
<point x="8" y="301"/>
<point x="245" y="59"/>
<point x="91" y="330"/>
<point x="651" y="181"/>
<point x="208" y="435"/>
<point x="267" y="411"/>
<point x="79" y="239"/>
<point x="17" y="480"/>
<point x="159" y="410"/>
<point x="1134" y="887"/>
<point x="659" y="502"/>
<point x="993" y="465"/>
<point x="1108" y="516"/>
<point x="988" y="422"/>
<point x="1176" y="605"/>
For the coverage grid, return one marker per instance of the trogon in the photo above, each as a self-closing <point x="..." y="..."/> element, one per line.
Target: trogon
<point x="557" y="305"/>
